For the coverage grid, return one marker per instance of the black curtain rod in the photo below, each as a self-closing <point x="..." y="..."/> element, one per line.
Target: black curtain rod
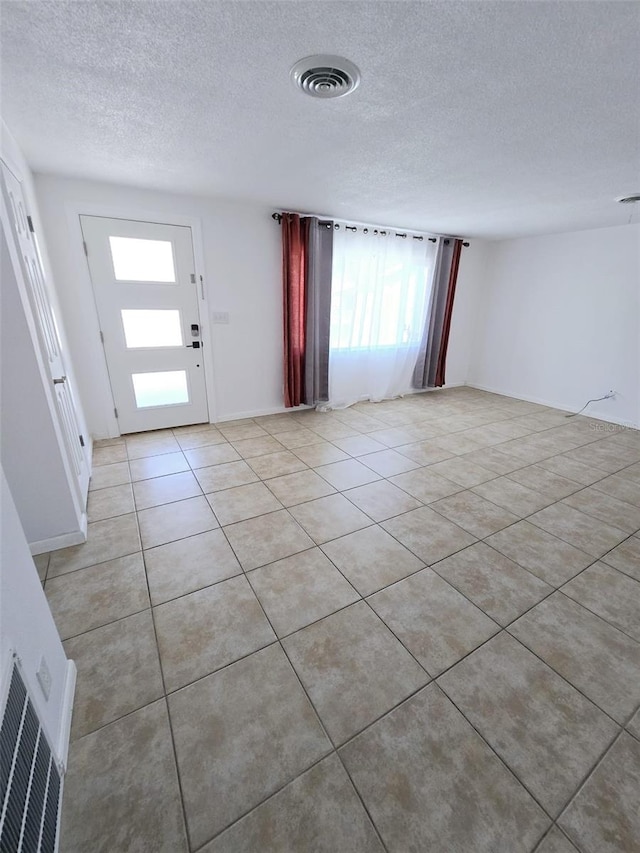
<point x="278" y="218"/>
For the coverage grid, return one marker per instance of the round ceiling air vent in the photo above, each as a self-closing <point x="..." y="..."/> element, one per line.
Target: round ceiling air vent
<point x="325" y="76"/>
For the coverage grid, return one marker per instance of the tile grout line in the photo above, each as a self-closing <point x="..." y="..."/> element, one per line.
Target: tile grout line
<point x="311" y="703"/>
<point x="428" y="565"/>
<point x="553" y="826"/>
<point x="164" y="690"/>
<point x="585" y="780"/>
<point x="318" y="718"/>
<point x="454" y="457"/>
<point x="262" y="802"/>
<point x="553" y="590"/>
<point x="364" y="599"/>
<point x="509" y="769"/>
<point x="604" y="619"/>
<point x="432" y="564"/>
<point x="386" y="479"/>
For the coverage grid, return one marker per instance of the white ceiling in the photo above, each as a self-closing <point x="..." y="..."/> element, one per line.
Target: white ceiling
<point x="486" y="119"/>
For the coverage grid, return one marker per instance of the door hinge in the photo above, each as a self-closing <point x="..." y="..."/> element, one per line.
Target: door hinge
<point x="81" y="440"/>
<point x="31" y="228"/>
<point x="101" y="336"/>
<point x="115" y="412"/>
<point x="193" y="278"/>
<point x="84" y="246"/>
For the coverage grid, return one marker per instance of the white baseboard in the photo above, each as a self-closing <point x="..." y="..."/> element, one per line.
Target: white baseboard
<point x="64" y="540"/>
<point x="444" y="387"/>
<point x="281" y="410"/>
<point x="560" y="407"/>
<point x="67" y="710"/>
<point x="258" y="413"/>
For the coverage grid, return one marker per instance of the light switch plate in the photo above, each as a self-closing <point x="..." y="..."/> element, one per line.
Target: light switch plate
<point x="220" y="316"/>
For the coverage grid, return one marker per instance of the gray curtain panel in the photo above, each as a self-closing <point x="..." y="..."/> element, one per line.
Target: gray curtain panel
<point x="318" y="310"/>
<point x="426" y="371"/>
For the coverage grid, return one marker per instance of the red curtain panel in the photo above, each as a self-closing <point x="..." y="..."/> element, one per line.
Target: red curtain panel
<point x="294" y="267"/>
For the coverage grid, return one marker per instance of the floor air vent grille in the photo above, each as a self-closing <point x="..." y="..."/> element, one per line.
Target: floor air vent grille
<point x="29" y="778"/>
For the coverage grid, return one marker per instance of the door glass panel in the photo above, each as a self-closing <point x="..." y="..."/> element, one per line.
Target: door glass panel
<point x="151" y="328"/>
<point x="166" y="388"/>
<point x="135" y="259"/>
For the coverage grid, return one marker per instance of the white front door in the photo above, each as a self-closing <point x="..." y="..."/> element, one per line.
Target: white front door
<point x="143" y="275"/>
<point x="47" y="332"/>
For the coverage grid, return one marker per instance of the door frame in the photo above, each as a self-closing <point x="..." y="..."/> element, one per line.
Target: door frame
<point x="74" y="210"/>
<point x="78" y="499"/>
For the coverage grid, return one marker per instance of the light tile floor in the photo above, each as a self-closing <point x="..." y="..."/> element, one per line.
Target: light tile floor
<point x="412" y="625"/>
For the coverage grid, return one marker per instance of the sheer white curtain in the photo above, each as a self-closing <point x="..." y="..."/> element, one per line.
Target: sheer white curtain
<point x="379" y="299"/>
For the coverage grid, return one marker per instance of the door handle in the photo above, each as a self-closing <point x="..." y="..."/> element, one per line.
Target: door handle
<point x="60" y="381"/>
<point x="194" y="345"/>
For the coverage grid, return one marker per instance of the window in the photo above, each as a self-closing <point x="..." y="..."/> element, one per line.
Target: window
<point x="379" y="290"/>
<point x="151" y="328"/>
<point x="380" y="293"/>
<point x="142" y="260"/>
<point x="161" y="388"/>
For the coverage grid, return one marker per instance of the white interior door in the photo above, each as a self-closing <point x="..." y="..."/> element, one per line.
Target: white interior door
<point x="47" y="331"/>
<point x="143" y="275"/>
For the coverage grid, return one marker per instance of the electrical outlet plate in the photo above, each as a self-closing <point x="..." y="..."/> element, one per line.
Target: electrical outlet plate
<point x="44" y="678"/>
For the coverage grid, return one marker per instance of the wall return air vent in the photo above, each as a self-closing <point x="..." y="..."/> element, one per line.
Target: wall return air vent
<point x="30" y="779"/>
<point x="325" y="76"/>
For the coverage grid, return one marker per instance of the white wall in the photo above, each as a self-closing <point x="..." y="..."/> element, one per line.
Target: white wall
<point x="559" y="321"/>
<point x="465" y="311"/>
<point x="242" y="271"/>
<point x="27" y="628"/>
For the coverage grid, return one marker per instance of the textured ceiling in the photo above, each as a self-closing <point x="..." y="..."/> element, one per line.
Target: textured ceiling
<point x="484" y="119"/>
